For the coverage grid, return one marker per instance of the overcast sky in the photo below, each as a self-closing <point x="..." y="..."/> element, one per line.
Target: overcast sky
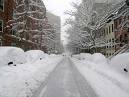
<point x="58" y="7"/>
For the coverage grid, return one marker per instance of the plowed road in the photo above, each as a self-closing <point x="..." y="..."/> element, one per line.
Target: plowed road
<point x="65" y="81"/>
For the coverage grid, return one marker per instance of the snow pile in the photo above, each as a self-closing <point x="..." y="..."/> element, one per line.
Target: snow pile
<point x="34" y="55"/>
<point x="121" y="63"/>
<point x="99" y="58"/>
<point x="11" y="54"/>
<point x="96" y="58"/>
<point x="23" y="80"/>
<point x="106" y="81"/>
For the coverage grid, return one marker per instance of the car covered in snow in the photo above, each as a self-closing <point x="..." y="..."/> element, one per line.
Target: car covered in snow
<point x="121" y="62"/>
<point x="34" y="55"/>
<point x="11" y="56"/>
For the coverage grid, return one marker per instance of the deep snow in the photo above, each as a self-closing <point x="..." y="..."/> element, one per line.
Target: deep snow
<point x="31" y="68"/>
<point x="11" y="54"/>
<point x="99" y="72"/>
<point x="21" y="80"/>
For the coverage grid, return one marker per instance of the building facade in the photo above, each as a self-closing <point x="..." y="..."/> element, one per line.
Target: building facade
<point x="122" y="27"/>
<point x="55" y="21"/>
<point x="110" y="38"/>
<point x="6" y="10"/>
<point x="9" y="33"/>
<point x="116" y="28"/>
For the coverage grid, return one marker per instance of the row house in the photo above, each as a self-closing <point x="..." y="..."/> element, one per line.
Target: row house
<point x="122" y="27"/>
<point x="115" y="26"/>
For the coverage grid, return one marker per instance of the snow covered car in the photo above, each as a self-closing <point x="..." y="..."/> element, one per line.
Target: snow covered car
<point x="11" y="55"/>
<point x="34" y="55"/>
<point x="121" y="62"/>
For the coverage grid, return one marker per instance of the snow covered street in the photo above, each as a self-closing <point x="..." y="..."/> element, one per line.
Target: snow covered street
<point x="66" y="81"/>
<point x="43" y="75"/>
<point x="22" y="80"/>
<point x="104" y="78"/>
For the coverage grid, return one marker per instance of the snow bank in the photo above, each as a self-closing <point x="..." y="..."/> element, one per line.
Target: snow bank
<point x="121" y="63"/>
<point x="99" y="58"/>
<point x="34" y="55"/>
<point x="95" y="58"/>
<point x="102" y="77"/>
<point x="11" y="54"/>
<point x="23" y="80"/>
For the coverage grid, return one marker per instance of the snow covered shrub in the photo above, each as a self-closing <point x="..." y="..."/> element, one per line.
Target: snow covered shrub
<point x="121" y="62"/>
<point x="34" y="55"/>
<point x="11" y="55"/>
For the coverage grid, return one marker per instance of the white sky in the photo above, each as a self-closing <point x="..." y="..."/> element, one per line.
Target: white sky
<point x="58" y="7"/>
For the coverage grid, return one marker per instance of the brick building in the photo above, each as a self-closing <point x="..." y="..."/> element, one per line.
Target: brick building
<point x="6" y="10"/>
<point x="121" y="27"/>
<point x="9" y="36"/>
<point x="115" y="25"/>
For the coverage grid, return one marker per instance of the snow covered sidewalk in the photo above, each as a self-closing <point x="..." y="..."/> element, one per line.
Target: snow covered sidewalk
<point x="22" y="80"/>
<point x="105" y="81"/>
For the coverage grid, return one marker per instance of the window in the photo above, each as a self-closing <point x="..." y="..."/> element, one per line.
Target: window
<point x="109" y="40"/>
<point x="1" y="5"/>
<point x="113" y="40"/>
<point x="109" y="29"/>
<point x="1" y="25"/>
<point x="112" y="28"/>
<point x="13" y="44"/>
<point x="120" y="21"/>
<point x="0" y="42"/>
<point x="13" y="32"/>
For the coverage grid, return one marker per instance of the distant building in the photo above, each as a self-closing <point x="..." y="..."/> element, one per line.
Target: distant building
<point x="55" y="21"/>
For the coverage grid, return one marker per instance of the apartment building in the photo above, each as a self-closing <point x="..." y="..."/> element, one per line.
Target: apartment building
<point x="122" y="27"/>
<point x="116" y="28"/>
<point x="9" y="36"/>
<point x="6" y="10"/>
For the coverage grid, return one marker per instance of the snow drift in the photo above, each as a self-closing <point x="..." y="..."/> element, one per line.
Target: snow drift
<point x="34" y="55"/>
<point x="99" y="58"/>
<point x="11" y="54"/>
<point x="121" y="62"/>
